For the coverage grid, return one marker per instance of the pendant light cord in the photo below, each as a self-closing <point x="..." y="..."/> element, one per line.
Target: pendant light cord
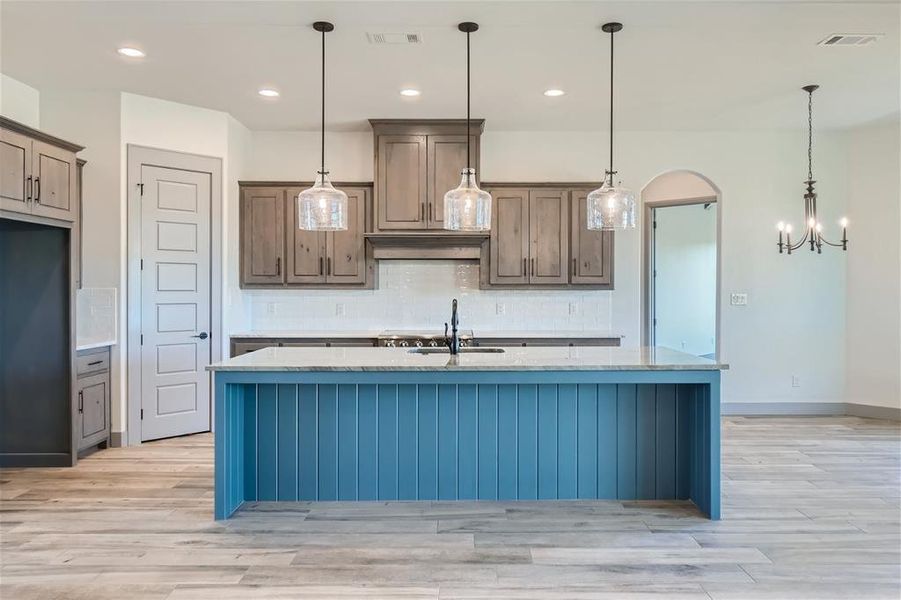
<point x="810" y="135"/>
<point x="611" y="171"/>
<point x="322" y="124"/>
<point x="468" y="165"/>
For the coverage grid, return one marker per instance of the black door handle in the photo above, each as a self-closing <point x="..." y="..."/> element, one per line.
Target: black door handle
<point x="28" y="187"/>
<point x="37" y="189"/>
<point x="202" y="335"/>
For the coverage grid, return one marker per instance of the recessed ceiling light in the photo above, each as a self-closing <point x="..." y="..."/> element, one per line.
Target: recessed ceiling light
<point x="269" y="93"/>
<point x="410" y="92"/>
<point x="553" y="93"/>
<point x="131" y="52"/>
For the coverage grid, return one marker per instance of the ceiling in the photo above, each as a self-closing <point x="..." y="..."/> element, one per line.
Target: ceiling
<point x="679" y="65"/>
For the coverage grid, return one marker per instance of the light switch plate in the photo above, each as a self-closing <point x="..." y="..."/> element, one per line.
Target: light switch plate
<point x="500" y="308"/>
<point x="339" y="309"/>
<point x="270" y="308"/>
<point x="740" y="299"/>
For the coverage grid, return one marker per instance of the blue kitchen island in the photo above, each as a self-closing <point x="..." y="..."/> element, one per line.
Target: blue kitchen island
<point x="324" y="424"/>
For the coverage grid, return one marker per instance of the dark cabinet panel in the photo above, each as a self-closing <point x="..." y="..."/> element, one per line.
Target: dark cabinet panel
<point x="16" y="182"/>
<point x="306" y="249"/>
<point x="509" y="240"/>
<point x="592" y="251"/>
<point x="401" y="181"/>
<point x="446" y="161"/>
<point x="346" y="250"/>
<point x="262" y="235"/>
<point x="548" y="224"/>
<point x="53" y="169"/>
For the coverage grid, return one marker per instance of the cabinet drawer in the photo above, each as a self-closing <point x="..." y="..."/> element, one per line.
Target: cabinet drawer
<point x="97" y="362"/>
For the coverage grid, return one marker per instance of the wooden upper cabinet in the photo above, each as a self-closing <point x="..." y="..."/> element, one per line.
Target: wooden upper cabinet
<point x="446" y="161"/>
<point x="275" y="253"/>
<point x="509" y="240"/>
<point x="401" y="181"/>
<point x="548" y="226"/>
<point x="305" y="249"/>
<point x="592" y="251"/>
<point x="15" y="172"/>
<point x="55" y="189"/>
<point x="346" y="261"/>
<point x="416" y="163"/>
<point x="262" y="235"/>
<point x="37" y="173"/>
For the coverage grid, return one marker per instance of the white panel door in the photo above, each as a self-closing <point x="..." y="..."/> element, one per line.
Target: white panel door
<point x="175" y="302"/>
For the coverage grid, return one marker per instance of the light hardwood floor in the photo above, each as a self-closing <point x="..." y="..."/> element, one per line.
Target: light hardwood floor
<point x="811" y="511"/>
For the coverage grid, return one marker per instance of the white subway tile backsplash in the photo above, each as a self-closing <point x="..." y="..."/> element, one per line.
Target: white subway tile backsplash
<point x="417" y="295"/>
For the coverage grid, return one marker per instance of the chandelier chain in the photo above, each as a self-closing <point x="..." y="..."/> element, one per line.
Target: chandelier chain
<point x="810" y="136"/>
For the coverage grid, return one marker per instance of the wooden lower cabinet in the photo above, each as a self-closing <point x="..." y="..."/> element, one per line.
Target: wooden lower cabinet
<point x="276" y="254"/>
<point x="92" y="397"/>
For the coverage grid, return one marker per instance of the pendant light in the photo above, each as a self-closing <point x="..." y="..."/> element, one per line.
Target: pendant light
<point x="813" y="234"/>
<point x="322" y="207"/>
<point x="611" y="206"/>
<point x="466" y="207"/>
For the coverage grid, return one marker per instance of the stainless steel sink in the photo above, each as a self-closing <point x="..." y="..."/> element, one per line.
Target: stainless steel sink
<point x="466" y="350"/>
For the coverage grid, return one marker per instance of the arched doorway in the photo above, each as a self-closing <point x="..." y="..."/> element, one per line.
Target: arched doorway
<point x="681" y="263"/>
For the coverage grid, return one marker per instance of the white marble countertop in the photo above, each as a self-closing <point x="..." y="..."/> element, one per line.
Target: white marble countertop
<point x="374" y="333"/>
<point x="514" y="359"/>
<point x="89" y="344"/>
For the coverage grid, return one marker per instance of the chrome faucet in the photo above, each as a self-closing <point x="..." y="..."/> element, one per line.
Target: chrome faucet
<point x="453" y="342"/>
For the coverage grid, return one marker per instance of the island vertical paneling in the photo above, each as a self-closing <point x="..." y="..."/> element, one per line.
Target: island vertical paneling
<point x="489" y="439"/>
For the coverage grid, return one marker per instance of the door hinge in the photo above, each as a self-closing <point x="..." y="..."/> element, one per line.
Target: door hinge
<point x="655" y="272"/>
<point x="655" y="322"/>
<point x="142" y="414"/>
<point x="141" y="185"/>
<point x="142" y="339"/>
<point x="654" y="225"/>
<point x="142" y="264"/>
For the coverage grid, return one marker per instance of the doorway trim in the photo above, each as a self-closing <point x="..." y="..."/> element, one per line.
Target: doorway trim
<point x="647" y="253"/>
<point x="137" y="156"/>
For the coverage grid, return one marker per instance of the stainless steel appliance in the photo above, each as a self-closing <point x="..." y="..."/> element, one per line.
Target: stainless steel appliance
<point x="421" y="339"/>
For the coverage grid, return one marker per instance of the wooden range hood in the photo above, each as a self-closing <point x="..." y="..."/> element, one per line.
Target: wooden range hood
<point x="433" y="245"/>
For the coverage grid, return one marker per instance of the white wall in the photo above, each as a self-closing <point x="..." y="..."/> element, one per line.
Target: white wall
<point x="92" y="119"/>
<point x="774" y="337"/>
<point x="191" y="129"/>
<point x="874" y="267"/>
<point x="685" y="281"/>
<point x="19" y="101"/>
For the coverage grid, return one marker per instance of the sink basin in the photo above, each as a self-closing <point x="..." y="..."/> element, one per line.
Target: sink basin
<point x="466" y="350"/>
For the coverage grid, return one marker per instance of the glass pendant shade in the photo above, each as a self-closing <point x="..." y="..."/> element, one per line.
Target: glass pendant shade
<point x="466" y="207"/>
<point x="611" y="207"/>
<point x="322" y="207"/>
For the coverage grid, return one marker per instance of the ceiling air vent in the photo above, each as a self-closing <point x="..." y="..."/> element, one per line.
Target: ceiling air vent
<point x="394" y="38"/>
<point x="850" y="39"/>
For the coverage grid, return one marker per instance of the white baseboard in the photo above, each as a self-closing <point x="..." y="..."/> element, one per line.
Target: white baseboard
<point x="810" y="409"/>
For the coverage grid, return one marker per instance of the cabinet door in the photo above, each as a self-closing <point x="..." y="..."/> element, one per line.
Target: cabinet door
<point x="548" y="225"/>
<point x="93" y="408"/>
<point x="262" y="235"/>
<point x="54" y="182"/>
<point x="16" y="183"/>
<point x="446" y="161"/>
<point x="401" y="181"/>
<point x="306" y="249"/>
<point x="509" y="240"/>
<point x="592" y="251"/>
<point x="346" y="256"/>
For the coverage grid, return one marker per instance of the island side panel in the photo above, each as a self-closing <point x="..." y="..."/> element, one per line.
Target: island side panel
<point x="467" y="435"/>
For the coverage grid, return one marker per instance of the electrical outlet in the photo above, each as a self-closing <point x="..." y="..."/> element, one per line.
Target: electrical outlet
<point x="500" y="308"/>
<point x="796" y="381"/>
<point x="740" y="299"/>
<point x="339" y="309"/>
<point x="271" y="308"/>
<point x="573" y="308"/>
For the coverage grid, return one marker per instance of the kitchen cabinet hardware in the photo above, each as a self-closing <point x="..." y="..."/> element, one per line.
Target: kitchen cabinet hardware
<point x="328" y="268"/>
<point x="533" y="268"/>
<point x="37" y="189"/>
<point x="81" y="401"/>
<point x="320" y="266"/>
<point x="278" y="265"/>
<point x="95" y="363"/>
<point x="29" y="187"/>
<point x="202" y="335"/>
<point x="525" y="268"/>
